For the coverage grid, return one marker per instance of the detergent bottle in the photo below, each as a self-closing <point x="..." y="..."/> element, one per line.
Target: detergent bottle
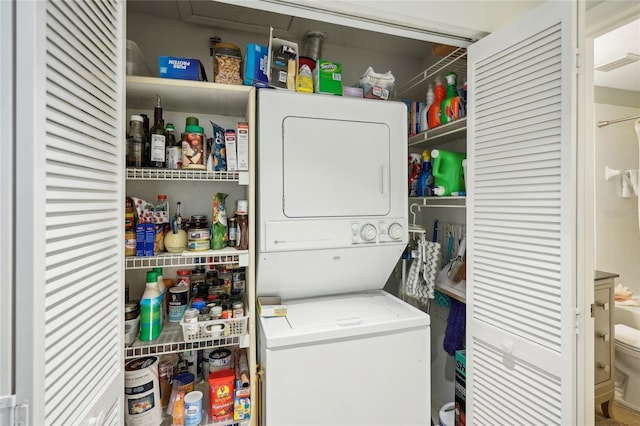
<point x="451" y="108"/>
<point x="414" y="172"/>
<point x="433" y="116"/>
<point x="424" y="116"/>
<point x="448" y="172"/>
<point x="425" y="178"/>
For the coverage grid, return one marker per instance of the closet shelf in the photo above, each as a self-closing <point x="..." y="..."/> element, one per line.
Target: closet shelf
<point x="451" y="201"/>
<point x="439" y="135"/>
<point x="171" y="340"/>
<point x="228" y="256"/>
<point x="453" y="293"/>
<point x="416" y="88"/>
<point x="191" y="175"/>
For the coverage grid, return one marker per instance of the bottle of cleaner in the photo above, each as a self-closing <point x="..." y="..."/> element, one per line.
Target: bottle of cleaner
<point x="433" y="116"/>
<point x="447" y="171"/>
<point x="162" y="289"/>
<point x="451" y="105"/>
<point x="425" y="179"/>
<point x="424" y="116"/>
<point x="150" y="309"/>
<point x="414" y="172"/>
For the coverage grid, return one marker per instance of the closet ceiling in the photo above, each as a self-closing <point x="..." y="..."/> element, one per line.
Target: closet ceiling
<point x="608" y="47"/>
<point x="618" y="51"/>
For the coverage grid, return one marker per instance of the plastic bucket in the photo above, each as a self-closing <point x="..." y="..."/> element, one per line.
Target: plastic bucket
<point x="447" y="414"/>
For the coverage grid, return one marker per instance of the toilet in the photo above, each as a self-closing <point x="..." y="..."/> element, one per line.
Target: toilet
<point x="627" y="357"/>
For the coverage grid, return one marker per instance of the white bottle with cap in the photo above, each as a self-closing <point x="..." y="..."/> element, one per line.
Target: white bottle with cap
<point x="423" y="113"/>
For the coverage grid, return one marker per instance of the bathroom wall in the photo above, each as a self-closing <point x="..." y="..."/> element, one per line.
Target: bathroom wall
<point x="617" y="232"/>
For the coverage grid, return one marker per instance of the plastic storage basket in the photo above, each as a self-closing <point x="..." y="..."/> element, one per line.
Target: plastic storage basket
<point x="204" y="330"/>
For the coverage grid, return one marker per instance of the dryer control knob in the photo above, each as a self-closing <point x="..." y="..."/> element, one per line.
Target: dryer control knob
<point x="395" y="231"/>
<point x="368" y="232"/>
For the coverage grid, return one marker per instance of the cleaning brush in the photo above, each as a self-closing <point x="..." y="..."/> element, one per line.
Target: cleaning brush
<point x="456" y="264"/>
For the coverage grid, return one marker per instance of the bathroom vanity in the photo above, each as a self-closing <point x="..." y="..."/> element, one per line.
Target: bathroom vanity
<point x="604" y="340"/>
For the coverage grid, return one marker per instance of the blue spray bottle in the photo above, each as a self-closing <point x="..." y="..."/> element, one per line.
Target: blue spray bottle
<point x="425" y="178"/>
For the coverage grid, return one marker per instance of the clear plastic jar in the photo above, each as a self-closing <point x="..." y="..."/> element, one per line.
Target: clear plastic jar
<point x="227" y="63"/>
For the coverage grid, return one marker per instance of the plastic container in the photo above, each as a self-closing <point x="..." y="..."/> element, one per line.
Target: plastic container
<point x="227" y="63"/>
<point x="151" y="309"/>
<point x="447" y="171"/>
<point x="194" y="149"/>
<point x="425" y="178"/>
<point x="447" y="415"/>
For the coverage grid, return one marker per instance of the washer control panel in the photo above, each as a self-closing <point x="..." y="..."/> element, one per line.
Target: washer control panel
<point x="376" y="232"/>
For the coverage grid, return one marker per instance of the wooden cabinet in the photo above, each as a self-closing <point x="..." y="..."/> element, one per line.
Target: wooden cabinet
<point x="604" y="347"/>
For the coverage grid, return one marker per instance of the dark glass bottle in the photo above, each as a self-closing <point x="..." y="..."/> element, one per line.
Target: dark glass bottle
<point x="146" y="151"/>
<point x="136" y="142"/>
<point x="158" y="138"/>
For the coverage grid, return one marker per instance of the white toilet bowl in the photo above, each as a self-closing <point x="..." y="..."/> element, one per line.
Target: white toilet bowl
<point x="627" y="358"/>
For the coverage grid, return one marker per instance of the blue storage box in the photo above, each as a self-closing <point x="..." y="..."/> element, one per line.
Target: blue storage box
<point x="181" y="68"/>
<point x="256" y="64"/>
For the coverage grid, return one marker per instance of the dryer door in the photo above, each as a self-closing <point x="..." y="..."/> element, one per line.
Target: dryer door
<point x="335" y="168"/>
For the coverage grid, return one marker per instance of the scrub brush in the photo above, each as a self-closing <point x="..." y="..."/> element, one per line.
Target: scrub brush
<point x="457" y="263"/>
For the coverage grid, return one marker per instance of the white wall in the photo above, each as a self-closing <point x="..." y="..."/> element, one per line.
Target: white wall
<point x="617" y="232"/>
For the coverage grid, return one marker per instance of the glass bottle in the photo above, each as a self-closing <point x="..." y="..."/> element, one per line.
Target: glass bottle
<point x="135" y="142"/>
<point x="243" y="226"/>
<point x="146" y="148"/>
<point x="158" y="138"/>
<point x="174" y="149"/>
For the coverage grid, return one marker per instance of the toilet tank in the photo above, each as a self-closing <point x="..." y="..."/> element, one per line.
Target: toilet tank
<point x="628" y="315"/>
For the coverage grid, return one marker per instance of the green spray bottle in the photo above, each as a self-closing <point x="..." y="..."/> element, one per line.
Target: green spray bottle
<point x="451" y="107"/>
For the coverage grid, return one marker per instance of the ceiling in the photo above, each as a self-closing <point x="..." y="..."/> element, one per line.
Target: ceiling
<point x="613" y="46"/>
<point x="608" y="47"/>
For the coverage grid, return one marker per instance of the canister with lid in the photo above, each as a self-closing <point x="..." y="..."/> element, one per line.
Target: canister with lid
<point x="227" y="63"/>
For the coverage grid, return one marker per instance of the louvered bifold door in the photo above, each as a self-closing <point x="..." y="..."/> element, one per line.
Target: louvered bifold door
<point x="69" y="210"/>
<point x="521" y="208"/>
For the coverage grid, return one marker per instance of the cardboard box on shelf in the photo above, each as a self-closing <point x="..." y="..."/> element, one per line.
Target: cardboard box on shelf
<point x="281" y="75"/>
<point x="181" y="68"/>
<point x="271" y="306"/>
<point x="256" y="71"/>
<point x="242" y="146"/>
<point x="328" y="77"/>
<point x="231" y="149"/>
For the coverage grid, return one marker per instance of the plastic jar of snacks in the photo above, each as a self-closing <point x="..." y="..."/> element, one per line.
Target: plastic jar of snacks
<point x="227" y="63"/>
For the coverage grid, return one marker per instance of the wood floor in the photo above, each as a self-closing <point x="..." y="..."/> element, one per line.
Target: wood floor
<point x="622" y="415"/>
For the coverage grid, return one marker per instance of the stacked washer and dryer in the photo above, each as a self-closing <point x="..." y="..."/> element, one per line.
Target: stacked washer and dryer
<point x="331" y="227"/>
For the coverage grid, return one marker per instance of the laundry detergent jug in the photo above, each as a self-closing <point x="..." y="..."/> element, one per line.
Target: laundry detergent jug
<point x="448" y="171"/>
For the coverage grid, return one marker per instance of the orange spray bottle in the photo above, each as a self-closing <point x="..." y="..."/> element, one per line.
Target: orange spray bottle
<point x="433" y="116"/>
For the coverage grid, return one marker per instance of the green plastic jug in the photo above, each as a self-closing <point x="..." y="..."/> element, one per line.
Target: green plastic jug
<point x="447" y="171"/>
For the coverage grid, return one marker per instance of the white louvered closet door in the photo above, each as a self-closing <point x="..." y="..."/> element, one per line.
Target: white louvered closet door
<point x="521" y="342"/>
<point x="69" y="210"/>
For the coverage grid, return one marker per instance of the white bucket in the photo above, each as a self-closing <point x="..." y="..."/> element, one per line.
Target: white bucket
<point x="447" y="414"/>
<point x="143" y="406"/>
